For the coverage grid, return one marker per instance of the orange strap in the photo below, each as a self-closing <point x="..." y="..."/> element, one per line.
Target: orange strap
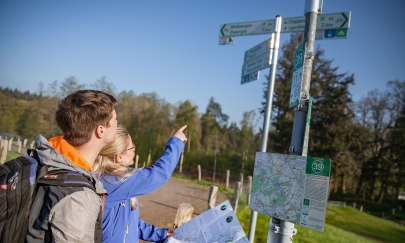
<point x="102" y="204"/>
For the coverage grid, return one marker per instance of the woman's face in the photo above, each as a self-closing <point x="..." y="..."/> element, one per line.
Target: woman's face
<point x="129" y="154"/>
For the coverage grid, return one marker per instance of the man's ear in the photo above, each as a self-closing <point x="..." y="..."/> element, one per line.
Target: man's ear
<point x="99" y="131"/>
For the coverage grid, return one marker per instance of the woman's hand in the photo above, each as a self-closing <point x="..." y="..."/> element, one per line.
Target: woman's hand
<point x="180" y="134"/>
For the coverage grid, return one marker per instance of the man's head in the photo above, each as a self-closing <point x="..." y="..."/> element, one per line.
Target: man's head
<point x="85" y="112"/>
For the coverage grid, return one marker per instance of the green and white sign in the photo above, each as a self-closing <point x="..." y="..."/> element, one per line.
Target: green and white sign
<point x="292" y="188"/>
<point x="257" y="58"/>
<point x="294" y="24"/>
<point x="250" y="77"/>
<point x="296" y="82"/>
<point x="227" y="40"/>
<point x="331" y="34"/>
<point x="247" y="28"/>
<point x="307" y="128"/>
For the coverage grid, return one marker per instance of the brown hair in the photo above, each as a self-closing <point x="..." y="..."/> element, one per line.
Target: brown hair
<point x="82" y="111"/>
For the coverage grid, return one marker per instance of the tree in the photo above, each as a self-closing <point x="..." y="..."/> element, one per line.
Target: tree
<point x="375" y="113"/>
<point x="332" y="115"/>
<point x="212" y="123"/>
<point x="187" y="114"/>
<point x="396" y="138"/>
<point x="148" y="114"/>
<point x="248" y="141"/>
<point x="69" y="86"/>
<point x="103" y="85"/>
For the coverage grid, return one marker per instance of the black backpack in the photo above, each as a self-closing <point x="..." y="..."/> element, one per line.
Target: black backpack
<point x="18" y="182"/>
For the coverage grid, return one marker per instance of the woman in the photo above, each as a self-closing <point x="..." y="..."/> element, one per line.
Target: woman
<point x="121" y="222"/>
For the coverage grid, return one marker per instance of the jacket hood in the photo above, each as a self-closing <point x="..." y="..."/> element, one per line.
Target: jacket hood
<point x="52" y="158"/>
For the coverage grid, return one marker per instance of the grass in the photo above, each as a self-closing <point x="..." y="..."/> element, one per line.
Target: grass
<point x="12" y="155"/>
<point x="343" y="225"/>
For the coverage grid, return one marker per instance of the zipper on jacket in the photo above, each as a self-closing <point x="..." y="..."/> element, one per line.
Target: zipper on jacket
<point x="126" y="233"/>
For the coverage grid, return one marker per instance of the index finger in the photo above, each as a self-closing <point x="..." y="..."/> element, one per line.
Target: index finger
<point x="182" y="128"/>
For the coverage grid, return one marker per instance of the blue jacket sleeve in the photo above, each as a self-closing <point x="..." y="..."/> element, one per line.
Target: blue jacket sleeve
<point x="149" y="179"/>
<point x="152" y="233"/>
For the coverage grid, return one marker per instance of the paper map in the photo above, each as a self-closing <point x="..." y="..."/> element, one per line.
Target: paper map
<point x="218" y="224"/>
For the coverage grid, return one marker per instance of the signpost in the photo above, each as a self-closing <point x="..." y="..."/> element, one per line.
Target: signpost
<point x="326" y="26"/>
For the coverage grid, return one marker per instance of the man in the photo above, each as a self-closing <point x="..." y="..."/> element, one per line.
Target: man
<point x="67" y="213"/>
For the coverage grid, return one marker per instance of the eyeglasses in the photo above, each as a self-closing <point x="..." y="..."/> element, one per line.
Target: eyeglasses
<point x="133" y="147"/>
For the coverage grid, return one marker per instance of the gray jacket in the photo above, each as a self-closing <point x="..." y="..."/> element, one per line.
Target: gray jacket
<point x="64" y="213"/>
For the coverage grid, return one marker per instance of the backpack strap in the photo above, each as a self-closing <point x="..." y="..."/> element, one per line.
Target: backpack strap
<point x="65" y="178"/>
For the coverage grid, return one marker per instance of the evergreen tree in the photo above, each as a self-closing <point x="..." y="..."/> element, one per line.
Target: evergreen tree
<point x="332" y="116"/>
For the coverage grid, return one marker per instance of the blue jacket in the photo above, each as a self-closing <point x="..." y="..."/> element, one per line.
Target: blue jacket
<point x="120" y="223"/>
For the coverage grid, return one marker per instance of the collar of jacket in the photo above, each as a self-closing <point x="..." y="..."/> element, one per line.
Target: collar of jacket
<point x="67" y="150"/>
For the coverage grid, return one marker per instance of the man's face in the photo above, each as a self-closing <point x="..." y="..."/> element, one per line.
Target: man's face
<point x="111" y="130"/>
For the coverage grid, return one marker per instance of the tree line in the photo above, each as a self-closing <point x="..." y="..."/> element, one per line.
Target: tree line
<point x="365" y="139"/>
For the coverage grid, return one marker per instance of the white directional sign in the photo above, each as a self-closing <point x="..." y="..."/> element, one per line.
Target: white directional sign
<point x="331" y="21"/>
<point x="256" y="59"/>
<point x="226" y="40"/>
<point x="299" y="59"/>
<point x="247" y="28"/>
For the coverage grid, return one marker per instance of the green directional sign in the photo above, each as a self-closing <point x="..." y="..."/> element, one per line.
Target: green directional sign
<point x="296" y="82"/>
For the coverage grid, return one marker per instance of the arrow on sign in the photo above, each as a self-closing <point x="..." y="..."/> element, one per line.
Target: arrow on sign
<point x="346" y="19"/>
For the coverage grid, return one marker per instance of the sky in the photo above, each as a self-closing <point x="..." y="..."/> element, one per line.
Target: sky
<point x="171" y="47"/>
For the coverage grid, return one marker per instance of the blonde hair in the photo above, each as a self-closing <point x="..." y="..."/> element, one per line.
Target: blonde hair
<point x="106" y="161"/>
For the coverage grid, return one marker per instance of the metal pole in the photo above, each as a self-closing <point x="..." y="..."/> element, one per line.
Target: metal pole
<point x="215" y="155"/>
<point x="300" y="113"/>
<point x="275" y="43"/>
<point x="281" y="231"/>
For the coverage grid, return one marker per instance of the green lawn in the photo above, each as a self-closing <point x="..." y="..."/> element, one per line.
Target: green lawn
<point x="343" y="225"/>
<point x="12" y="155"/>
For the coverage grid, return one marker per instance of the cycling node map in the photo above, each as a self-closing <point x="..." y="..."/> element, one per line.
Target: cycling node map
<point x="291" y="188"/>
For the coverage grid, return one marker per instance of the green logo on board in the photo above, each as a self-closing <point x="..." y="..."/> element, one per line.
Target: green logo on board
<point x="318" y="166"/>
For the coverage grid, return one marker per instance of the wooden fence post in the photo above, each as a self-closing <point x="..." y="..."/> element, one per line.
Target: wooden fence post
<point x="181" y="163"/>
<point x="10" y="142"/>
<point x="32" y="144"/>
<point x="236" y="196"/>
<point x="227" y="179"/>
<point x="19" y="144"/>
<point x="3" y="151"/>
<point x="241" y="183"/>
<point x="25" y="142"/>
<point x="249" y="192"/>
<point x="149" y="159"/>
<point x="199" y="172"/>
<point x="184" y="214"/>
<point x="212" y="196"/>
<point x="361" y="208"/>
